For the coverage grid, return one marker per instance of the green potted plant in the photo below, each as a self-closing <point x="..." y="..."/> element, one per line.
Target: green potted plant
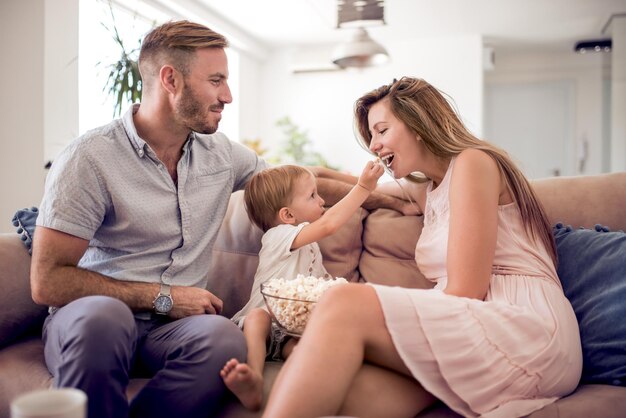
<point x="124" y="79"/>
<point x="296" y="148"/>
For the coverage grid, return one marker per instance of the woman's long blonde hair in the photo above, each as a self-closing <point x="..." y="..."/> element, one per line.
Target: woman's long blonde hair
<point x="427" y="113"/>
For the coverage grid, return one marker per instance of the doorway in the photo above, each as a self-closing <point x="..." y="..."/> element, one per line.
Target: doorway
<point x="534" y="123"/>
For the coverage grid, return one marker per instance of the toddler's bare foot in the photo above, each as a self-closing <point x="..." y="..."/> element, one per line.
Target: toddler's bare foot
<point x="245" y="383"/>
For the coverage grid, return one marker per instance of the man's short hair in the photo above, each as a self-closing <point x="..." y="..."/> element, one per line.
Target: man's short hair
<point x="174" y="43"/>
<point x="270" y="190"/>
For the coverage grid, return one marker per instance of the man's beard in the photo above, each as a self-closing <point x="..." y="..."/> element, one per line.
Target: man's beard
<point x="193" y="115"/>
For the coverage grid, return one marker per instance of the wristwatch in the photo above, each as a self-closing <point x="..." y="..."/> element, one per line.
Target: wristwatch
<point x="163" y="302"/>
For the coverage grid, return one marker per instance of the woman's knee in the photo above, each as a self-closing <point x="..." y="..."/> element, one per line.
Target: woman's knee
<point x="347" y="301"/>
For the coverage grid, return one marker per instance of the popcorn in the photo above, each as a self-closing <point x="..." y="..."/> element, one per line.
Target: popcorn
<point x="295" y="299"/>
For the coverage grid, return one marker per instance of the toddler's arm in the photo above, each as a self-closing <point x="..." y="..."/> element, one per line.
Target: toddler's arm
<point x="339" y="214"/>
<point x="332" y="186"/>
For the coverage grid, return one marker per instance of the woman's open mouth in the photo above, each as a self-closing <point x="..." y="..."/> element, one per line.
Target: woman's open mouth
<point x="387" y="159"/>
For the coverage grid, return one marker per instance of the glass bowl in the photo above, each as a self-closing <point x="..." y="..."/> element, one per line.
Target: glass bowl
<point x="291" y="315"/>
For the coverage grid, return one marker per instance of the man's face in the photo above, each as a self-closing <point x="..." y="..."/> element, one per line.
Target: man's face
<point x="205" y="92"/>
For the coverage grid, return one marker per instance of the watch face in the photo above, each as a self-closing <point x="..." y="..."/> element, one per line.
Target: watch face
<point x="163" y="304"/>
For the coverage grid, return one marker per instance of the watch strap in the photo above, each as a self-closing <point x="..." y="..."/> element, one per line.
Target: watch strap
<point x="165" y="289"/>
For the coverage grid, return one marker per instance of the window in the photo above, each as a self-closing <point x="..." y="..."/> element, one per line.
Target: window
<point x="98" y="49"/>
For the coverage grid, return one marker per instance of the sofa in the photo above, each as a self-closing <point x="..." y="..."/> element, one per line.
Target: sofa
<point x="376" y="246"/>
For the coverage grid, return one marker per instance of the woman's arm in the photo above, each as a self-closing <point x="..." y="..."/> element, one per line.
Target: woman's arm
<point x="474" y="194"/>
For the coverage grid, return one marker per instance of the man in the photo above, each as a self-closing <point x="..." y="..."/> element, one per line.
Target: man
<point x="124" y="237"/>
<point x="127" y="223"/>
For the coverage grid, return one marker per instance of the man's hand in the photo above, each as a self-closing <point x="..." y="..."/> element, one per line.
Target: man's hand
<point x="410" y="209"/>
<point x="193" y="301"/>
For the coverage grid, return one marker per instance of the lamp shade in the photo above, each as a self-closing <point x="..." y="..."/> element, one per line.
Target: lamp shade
<point x="360" y="51"/>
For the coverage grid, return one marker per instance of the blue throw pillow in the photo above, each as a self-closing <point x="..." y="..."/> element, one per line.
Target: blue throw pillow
<point x="592" y="269"/>
<point x="24" y="220"/>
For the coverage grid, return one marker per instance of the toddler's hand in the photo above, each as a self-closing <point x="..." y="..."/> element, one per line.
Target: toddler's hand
<point x="370" y="175"/>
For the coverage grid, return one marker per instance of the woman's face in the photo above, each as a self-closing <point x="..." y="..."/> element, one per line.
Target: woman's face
<point x="393" y="142"/>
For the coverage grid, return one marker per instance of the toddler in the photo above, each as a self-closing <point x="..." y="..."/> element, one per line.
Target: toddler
<point x="284" y="203"/>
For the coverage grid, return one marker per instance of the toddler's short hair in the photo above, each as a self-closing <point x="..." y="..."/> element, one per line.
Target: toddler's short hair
<point x="270" y="190"/>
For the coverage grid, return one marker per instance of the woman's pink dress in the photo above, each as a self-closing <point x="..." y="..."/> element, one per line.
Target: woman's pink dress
<point x="506" y="356"/>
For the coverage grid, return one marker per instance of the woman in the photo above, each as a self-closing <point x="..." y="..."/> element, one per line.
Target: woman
<point x="495" y="337"/>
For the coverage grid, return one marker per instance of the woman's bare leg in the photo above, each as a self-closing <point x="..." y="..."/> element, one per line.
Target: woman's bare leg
<point x="245" y="380"/>
<point x="394" y="395"/>
<point x="346" y="329"/>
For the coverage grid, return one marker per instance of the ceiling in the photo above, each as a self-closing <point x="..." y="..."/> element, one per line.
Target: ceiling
<point x="504" y="24"/>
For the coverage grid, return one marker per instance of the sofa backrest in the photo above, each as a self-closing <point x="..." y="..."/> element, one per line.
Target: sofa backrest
<point x="378" y="247"/>
<point x="19" y="313"/>
<point x="585" y="200"/>
<point x="235" y="254"/>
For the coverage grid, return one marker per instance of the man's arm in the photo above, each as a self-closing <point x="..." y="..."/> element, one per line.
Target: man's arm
<point x="56" y="280"/>
<point x="333" y="186"/>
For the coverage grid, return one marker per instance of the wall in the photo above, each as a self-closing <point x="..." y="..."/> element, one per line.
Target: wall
<point x="21" y="106"/>
<point x="618" y="93"/>
<point x="60" y="75"/>
<point x="586" y="72"/>
<point x="249" y="100"/>
<point x="39" y="104"/>
<point x="321" y="103"/>
<point x="40" y="98"/>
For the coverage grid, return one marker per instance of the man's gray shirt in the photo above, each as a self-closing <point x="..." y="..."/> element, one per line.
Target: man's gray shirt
<point x="109" y="187"/>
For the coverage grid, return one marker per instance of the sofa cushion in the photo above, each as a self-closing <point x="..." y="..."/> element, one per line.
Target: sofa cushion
<point x="235" y="254"/>
<point x="587" y="401"/>
<point x="20" y="315"/>
<point x="235" y="257"/>
<point x="388" y="256"/>
<point x="584" y="200"/>
<point x="341" y="251"/>
<point x="23" y="370"/>
<point x="592" y="269"/>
